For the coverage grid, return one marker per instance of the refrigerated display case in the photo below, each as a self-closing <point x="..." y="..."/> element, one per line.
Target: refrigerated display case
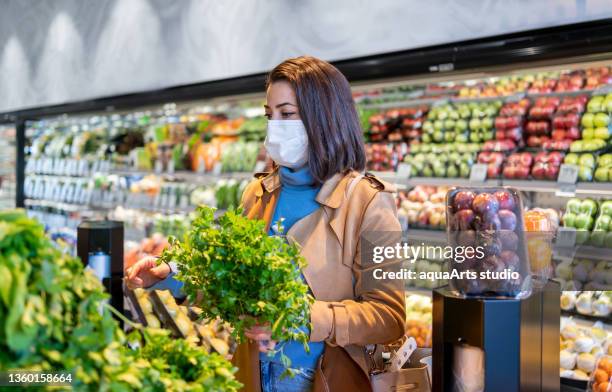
<point x="7" y="166"/>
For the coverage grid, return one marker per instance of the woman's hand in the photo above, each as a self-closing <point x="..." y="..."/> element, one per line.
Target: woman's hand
<point x="145" y="272"/>
<point x="262" y="334"/>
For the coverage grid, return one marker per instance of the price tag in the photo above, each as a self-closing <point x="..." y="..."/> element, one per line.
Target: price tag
<point x="568" y="174"/>
<point x="260" y="166"/>
<point x="478" y="172"/>
<point x="515" y="97"/>
<point x="158" y="166"/>
<point x="403" y="171"/>
<point x="216" y="169"/>
<point x="201" y="166"/>
<point x="566" y="237"/>
<point x="184" y="203"/>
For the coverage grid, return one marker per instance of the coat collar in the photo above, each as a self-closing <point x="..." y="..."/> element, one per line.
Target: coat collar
<point x="330" y="195"/>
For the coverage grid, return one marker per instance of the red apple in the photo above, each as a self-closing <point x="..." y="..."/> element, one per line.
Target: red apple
<point x="526" y="159"/>
<point x="485" y="203"/>
<point x="463" y="200"/>
<point x="507" y="219"/>
<point x="556" y="157"/>
<point x="500" y="123"/>
<point x="505" y="200"/>
<point x="493" y="170"/>
<point x="509" y="171"/>
<point x="572" y="133"/>
<point x="522" y="172"/>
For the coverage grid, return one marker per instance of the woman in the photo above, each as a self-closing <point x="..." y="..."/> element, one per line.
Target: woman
<point x="326" y="206"/>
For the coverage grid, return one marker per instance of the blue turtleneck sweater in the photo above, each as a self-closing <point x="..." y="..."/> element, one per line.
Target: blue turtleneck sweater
<point x="296" y="201"/>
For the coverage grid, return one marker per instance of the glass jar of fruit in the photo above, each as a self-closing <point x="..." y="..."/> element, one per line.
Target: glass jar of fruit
<point x="539" y="235"/>
<point x="486" y="234"/>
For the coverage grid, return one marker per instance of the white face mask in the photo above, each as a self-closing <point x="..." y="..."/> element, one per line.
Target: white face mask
<point x="287" y="142"/>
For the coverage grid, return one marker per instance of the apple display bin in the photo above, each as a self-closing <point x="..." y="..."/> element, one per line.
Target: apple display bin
<point x="507" y="345"/>
<point x="489" y="219"/>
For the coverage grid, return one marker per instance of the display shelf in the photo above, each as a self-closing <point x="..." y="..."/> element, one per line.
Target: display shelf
<point x="583" y="252"/>
<point x="574" y="313"/>
<point x="73" y="208"/>
<point x="562" y="93"/>
<point x="403" y="104"/>
<point x="424" y="235"/>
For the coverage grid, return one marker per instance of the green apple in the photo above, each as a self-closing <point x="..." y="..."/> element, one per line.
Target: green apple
<point x="427" y="171"/>
<point x="438" y="125"/>
<point x="585" y="173"/>
<point x="475" y="137"/>
<point x="577" y="146"/>
<point x="603" y="223"/>
<point x="440" y="171"/>
<point x="604" y="160"/>
<point x="601" y="174"/>
<point x="488" y="135"/>
<point x="465" y="113"/>
<point x="443" y="114"/>
<point x="464" y="170"/>
<point x="426" y="138"/>
<point x="461" y="125"/>
<point x="587" y="160"/>
<point x="571" y="159"/>
<point x="595" y="104"/>
<point x="569" y="219"/>
<point x="452" y="171"/>
<point x="428" y="126"/>
<point x="449" y="136"/>
<point x="588" y="133"/>
<point x="449" y="124"/>
<point x="475" y="123"/>
<point x="487" y="123"/>
<point x="601" y="120"/>
<point x="601" y="133"/>
<point x="462" y="138"/>
<point x="588" y="207"/>
<point x="490" y="111"/>
<point x="584" y="222"/>
<point x="582" y="236"/>
<point x="607" y="105"/>
<point x="606" y="208"/>
<point x="573" y="206"/>
<point x="454" y="115"/>
<point x="587" y="120"/>
<point x="438" y="136"/>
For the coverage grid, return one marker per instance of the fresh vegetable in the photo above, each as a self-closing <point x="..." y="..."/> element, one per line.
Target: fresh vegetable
<point x="52" y="318"/>
<point x="236" y="272"/>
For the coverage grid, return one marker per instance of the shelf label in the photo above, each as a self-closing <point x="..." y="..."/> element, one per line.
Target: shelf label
<point x="566" y="237"/>
<point x="216" y="169"/>
<point x="403" y="171"/>
<point x="158" y="166"/>
<point x="478" y="172"/>
<point x="568" y="174"/>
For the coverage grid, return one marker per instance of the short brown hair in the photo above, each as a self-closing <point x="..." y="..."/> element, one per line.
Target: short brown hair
<point x="326" y="106"/>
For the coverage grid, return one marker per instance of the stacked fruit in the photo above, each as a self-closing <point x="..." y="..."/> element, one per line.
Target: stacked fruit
<point x="467" y="122"/>
<point x="595" y="77"/>
<point x="565" y="123"/>
<point x="494" y="161"/>
<point x="580" y="214"/>
<point x="585" y="163"/>
<point x="490" y="219"/>
<point x="570" y="81"/>
<point x="423" y="207"/>
<point x="452" y="165"/>
<point x="384" y="156"/>
<point x="509" y="123"/>
<point x="596" y="121"/>
<point x="546" y="165"/>
<point x="397" y="125"/>
<point x="506" y="145"/>
<point x="518" y="166"/>
<point x="582" y="274"/>
<point x="419" y="318"/>
<point x="603" y="173"/>
<point x="538" y="127"/>
<point x="543" y="83"/>
<point x="602" y="230"/>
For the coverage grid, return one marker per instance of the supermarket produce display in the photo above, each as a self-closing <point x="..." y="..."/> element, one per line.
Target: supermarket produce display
<point x="54" y="318"/>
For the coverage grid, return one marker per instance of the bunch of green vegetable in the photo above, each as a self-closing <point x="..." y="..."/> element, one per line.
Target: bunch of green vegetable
<point x="236" y="272"/>
<point x="239" y="157"/>
<point x="52" y="318"/>
<point x="228" y="193"/>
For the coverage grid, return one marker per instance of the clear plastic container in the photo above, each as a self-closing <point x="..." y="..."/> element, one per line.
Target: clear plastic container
<point x="601" y="377"/>
<point x="486" y="233"/>
<point x="539" y="237"/>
